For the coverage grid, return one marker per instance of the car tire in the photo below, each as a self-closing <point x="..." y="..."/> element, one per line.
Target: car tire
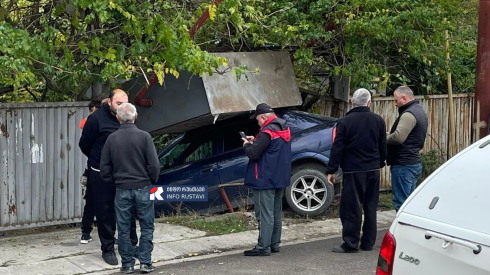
<point x="308" y="200"/>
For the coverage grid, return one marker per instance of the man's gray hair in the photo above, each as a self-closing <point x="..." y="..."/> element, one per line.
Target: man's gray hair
<point x="126" y="112"/>
<point x="361" y="97"/>
<point x="406" y="91"/>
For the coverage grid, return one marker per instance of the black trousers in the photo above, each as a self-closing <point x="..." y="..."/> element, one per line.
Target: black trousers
<point x="103" y="203"/>
<point x="360" y="192"/>
<point x="88" y="209"/>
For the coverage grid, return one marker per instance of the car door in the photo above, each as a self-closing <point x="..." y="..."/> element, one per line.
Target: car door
<point x="444" y="227"/>
<point x="233" y="162"/>
<point x="192" y="162"/>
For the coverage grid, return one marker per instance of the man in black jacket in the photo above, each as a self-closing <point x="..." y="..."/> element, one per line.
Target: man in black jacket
<point x="129" y="159"/>
<point x="98" y="127"/>
<point x="360" y="150"/>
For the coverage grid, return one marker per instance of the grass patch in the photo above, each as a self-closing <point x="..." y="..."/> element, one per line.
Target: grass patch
<point x="385" y="202"/>
<point x="214" y="225"/>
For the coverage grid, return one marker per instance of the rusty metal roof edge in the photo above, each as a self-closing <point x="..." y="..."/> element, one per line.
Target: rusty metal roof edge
<point x="44" y="104"/>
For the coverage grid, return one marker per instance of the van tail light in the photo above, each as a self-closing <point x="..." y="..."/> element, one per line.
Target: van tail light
<point x="334" y="133"/>
<point x="386" y="255"/>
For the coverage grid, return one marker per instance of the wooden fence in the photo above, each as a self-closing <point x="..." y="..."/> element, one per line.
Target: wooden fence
<point x="437" y="110"/>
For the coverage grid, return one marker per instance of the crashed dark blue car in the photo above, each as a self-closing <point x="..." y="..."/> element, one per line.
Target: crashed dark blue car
<point x="213" y="155"/>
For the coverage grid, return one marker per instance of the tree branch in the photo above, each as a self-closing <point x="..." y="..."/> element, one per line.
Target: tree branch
<point x="51" y="86"/>
<point x="6" y="90"/>
<point x="36" y="99"/>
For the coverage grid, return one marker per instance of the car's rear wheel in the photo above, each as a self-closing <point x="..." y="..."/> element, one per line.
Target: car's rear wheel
<point x="309" y="193"/>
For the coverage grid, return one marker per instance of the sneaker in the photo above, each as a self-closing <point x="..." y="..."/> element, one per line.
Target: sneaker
<point x="127" y="269"/>
<point x="85" y="239"/>
<point x="146" y="268"/>
<point x="110" y="258"/>
<point x="256" y="252"/>
<point x="275" y="250"/>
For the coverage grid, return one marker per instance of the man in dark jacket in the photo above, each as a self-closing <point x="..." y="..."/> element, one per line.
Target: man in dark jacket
<point x="405" y="141"/>
<point x="98" y="127"/>
<point x="129" y="159"/>
<point x="360" y="150"/>
<point x="268" y="173"/>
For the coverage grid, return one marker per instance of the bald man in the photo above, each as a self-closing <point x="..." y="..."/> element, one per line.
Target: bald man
<point x="95" y="133"/>
<point x="405" y="141"/>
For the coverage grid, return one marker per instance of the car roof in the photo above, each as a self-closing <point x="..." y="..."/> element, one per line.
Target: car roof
<point x="291" y="115"/>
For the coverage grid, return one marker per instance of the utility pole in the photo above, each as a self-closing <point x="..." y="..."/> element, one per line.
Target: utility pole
<point x="452" y="124"/>
<point x="482" y="93"/>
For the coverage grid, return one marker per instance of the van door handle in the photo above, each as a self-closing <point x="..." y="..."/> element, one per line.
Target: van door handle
<point x="207" y="168"/>
<point x="450" y="240"/>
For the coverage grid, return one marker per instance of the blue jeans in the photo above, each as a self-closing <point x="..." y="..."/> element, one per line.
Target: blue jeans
<point x="125" y="202"/>
<point x="403" y="182"/>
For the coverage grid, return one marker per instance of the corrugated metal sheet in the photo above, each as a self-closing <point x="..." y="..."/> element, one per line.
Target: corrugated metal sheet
<point x="41" y="164"/>
<point x="275" y="84"/>
<point x="437" y="110"/>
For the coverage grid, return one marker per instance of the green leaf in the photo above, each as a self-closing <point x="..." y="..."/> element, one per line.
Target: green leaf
<point x="3" y="14"/>
<point x="82" y="47"/>
<point x="75" y="22"/>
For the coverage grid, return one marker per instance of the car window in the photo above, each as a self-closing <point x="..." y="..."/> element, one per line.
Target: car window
<point x="299" y="121"/>
<point x="231" y="137"/>
<point x="204" y="151"/>
<point x="168" y="159"/>
<point x="188" y="150"/>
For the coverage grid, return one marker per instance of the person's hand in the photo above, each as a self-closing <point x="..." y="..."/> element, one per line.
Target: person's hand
<point x="251" y="138"/>
<point x="331" y="179"/>
<point x="387" y="133"/>
<point x="245" y="142"/>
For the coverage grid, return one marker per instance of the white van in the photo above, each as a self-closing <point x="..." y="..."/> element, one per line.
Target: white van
<point x="444" y="226"/>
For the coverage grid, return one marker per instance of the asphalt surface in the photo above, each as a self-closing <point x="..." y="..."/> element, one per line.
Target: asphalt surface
<point x="306" y="258"/>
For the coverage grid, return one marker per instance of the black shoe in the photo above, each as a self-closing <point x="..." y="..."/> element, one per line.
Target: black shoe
<point x="275" y="250"/>
<point x="127" y="269"/>
<point x="146" y="268"/>
<point x="85" y="239"/>
<point x="110" y="258"/>
<point x="256" y="252"/>
<point x="341" y="250"/>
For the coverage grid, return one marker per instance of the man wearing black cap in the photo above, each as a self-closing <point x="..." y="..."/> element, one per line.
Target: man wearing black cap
<point x="268" y="173"/>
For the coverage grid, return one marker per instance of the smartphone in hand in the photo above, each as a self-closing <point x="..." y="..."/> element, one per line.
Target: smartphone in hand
<point x="243" y="135"/>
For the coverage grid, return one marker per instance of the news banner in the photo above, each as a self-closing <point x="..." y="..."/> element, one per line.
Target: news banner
<point x="179" y="193"/>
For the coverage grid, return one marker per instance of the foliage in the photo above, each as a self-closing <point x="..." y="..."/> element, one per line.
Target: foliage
<point x="55" y="50"/>
<point x="161" y="141"/>
<point x="65" y="46"/>
<point x="431" y="161"/>
<point x="400" y="41"/>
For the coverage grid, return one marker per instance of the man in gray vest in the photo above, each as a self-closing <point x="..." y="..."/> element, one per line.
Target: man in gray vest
<point x="405" y="141"/>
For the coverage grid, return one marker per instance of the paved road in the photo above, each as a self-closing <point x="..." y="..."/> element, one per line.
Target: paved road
<point x="309" y="258"/>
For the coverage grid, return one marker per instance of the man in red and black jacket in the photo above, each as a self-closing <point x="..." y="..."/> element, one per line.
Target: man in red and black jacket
<point x="268" y="173"/>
